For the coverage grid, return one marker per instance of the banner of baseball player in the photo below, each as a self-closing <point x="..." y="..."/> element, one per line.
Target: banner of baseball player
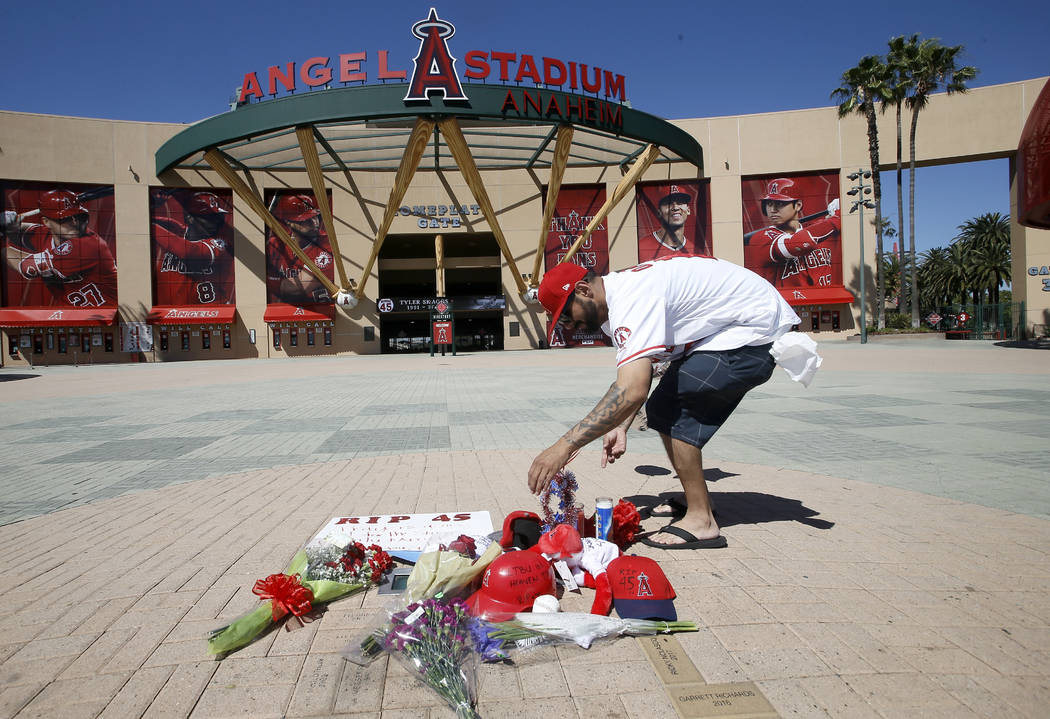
<point x="191" y="235"/>
<point x="59" y="245"/>
<point x="792" y="230"/>
<point x="575" y="207"/>
<point x="287" y="278"/>
<point x="673" y="217"/>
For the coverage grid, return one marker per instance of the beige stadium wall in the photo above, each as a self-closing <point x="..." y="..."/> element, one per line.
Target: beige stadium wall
<point x="982" y="124"/>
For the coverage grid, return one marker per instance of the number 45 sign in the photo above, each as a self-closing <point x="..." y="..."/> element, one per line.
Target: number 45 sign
<point x="407" y="532"/>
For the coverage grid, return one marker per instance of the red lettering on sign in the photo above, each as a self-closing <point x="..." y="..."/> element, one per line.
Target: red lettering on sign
<point x="572" y="75"/>
<point x="549" y="66"/>
<point x="614" y="84"/>
<point x="477" y="61"/>
<point x="398" y="518"/>
<point x="533" y="102"/>
<point x="387" y="74"/>
<point x="350" y="67"/>
<point x="557" y="108"/>
<point x="509" y="100"/>
<point x="527" y="68"/>
<point x="286" y="78"/>
<point x="441" y="518"/>
<point x="462" y="516"/>
<point x="502" y="58"/>
<point x="348" y="520"/>
<point x="372" y="520"/>
<point x="321" y="77"/>
<point x="594" y="86"/>
<point x="250" y="86"/>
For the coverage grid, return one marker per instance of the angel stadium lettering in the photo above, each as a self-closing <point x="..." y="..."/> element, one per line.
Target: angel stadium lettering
<point x="434" y="71"/>
<point x="589" y="110"/>
<point x="191" y="314"/>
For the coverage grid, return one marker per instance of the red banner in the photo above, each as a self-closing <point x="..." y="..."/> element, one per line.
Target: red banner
<point x="573" y="211"/>
<point x="673" y="218"/>
<point x="442" y="333"/>
<point x="60" y="245"/>
<point x="792" y="232"/>
<point x="287" y="277"/>
<point x="191" y="235"/>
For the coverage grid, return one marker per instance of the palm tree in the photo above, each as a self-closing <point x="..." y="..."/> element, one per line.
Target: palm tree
<point x="891" y="266"/>
<point x="897" y="59"/>
<point x="933" y="278"/>
<point x="987" y="238"/>
<point x="862" y="86"/>
<point x="930" y="67"/>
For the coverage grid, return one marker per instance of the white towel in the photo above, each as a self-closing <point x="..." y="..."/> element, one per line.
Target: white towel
<point x="797" y="354"/>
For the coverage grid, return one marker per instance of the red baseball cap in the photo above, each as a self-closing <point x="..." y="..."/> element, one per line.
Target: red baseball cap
<point x="556" y="287"/>
<point x="780" y="189"/>
<point x="60" y="204"/>
<point x="510" y="585"/>
<point x="296" y="208"/>
<point x="640" y="589"/>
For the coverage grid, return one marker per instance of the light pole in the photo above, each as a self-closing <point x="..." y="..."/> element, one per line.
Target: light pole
<point x="859" y="190"/>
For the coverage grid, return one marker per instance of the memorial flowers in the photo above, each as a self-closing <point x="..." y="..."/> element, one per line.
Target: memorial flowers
<point x="315" y="575"/>
<point x="581" y="628"/>
<point x="433" y="639"/>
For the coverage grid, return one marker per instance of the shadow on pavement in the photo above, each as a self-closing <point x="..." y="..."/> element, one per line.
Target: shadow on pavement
<point x="13" y="377"/>
<point x="758" y="508"/>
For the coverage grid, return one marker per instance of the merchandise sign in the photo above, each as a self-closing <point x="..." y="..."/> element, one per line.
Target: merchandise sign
<point x="404" y="532"/>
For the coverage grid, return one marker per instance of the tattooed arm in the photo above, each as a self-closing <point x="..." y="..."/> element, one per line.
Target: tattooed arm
<point x="618" y="405"/>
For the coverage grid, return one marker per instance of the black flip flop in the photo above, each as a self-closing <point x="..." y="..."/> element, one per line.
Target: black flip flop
<point x="691" y="542"/>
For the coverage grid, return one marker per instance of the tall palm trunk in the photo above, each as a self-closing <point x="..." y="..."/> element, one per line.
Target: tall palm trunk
<point x="873" y="152"/>
<point x="904" y="286"/>
<point x="911" y="218"/>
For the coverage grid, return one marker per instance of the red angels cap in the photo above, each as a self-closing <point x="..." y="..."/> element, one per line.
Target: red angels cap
<point x="640" y="589"/>
<point x="555" y="288"/>
<point x="780" y="189"/>
<point x="510" y="585"/>
<point x="205" y="203"/>
<point x="296" y="208"/>
<point x="60" y="204"/>
<point x="676" y="194"/>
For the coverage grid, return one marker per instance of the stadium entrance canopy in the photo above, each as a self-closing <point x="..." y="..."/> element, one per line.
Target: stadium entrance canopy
<point x="431" y="123"/>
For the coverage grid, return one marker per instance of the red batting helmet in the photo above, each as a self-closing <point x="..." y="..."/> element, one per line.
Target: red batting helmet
<point x="510" y="585"/>
<point x="780" y="189"/>
<point x="296" y="208"/>
<point x="60" y="204"/>
<point x="205" y="203"/>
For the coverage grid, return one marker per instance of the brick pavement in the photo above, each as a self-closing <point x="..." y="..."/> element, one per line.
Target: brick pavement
<point x="888" y="531"/>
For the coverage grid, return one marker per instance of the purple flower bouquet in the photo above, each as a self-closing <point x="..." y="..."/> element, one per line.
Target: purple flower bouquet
<point x="432" y="638"/>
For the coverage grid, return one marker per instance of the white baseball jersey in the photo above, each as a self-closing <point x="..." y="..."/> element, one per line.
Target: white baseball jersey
<point x="675" y="305"/>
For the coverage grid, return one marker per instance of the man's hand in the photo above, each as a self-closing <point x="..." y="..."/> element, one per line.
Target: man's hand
<point x="614" y="445"/>
<point x="547" y="464"/>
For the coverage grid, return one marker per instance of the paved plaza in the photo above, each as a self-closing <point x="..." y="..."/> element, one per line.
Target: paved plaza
<point x="888" y="530"/>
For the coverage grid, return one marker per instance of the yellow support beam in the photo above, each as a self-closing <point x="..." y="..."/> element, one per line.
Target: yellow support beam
<point x="239" y="186"/>
<point x="626" y="183"/>
<point x="561" y="159"/>
<point x="457" y="144"/>
<point x="305" y="133"/>
<point x="417" y="145"/>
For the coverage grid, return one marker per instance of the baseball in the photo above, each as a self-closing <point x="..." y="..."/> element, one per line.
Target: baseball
<point x="546" y="604"/>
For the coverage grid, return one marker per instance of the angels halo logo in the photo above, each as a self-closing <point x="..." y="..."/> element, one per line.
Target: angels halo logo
<point x="621" y="335"/>
<point x="434" y="68"/>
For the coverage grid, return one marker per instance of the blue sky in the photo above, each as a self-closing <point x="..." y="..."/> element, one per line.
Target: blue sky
<point x="180" y="62"/>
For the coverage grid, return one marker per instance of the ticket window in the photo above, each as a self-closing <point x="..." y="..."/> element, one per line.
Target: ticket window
<point x="12" y="345"/>
<point x="327" y="336"/>
<point x="185" y="341"/>
<point x="163" y="341"/>
<point x="50" y="342"/>
<point x="835" y="319"/>
<point x="63" y="348"/>
<point x="814" y="321"/>
<point x="85" y="343"/>
<point x="74" y="341"/>
<point x="205" y="339"/>
<point x="276" y="338"/>
<point x="107" y="341"/>
<point x="225" y="338"/>
<point x="310" y="337"/>
<point x="293" y="339"/>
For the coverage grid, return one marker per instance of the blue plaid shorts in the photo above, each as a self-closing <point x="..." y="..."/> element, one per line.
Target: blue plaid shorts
<point x="699" y="392"/>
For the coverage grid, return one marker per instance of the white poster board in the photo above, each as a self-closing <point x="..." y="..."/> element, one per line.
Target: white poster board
<point x="136" y="337"/>
<point x="403" y="532"/>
